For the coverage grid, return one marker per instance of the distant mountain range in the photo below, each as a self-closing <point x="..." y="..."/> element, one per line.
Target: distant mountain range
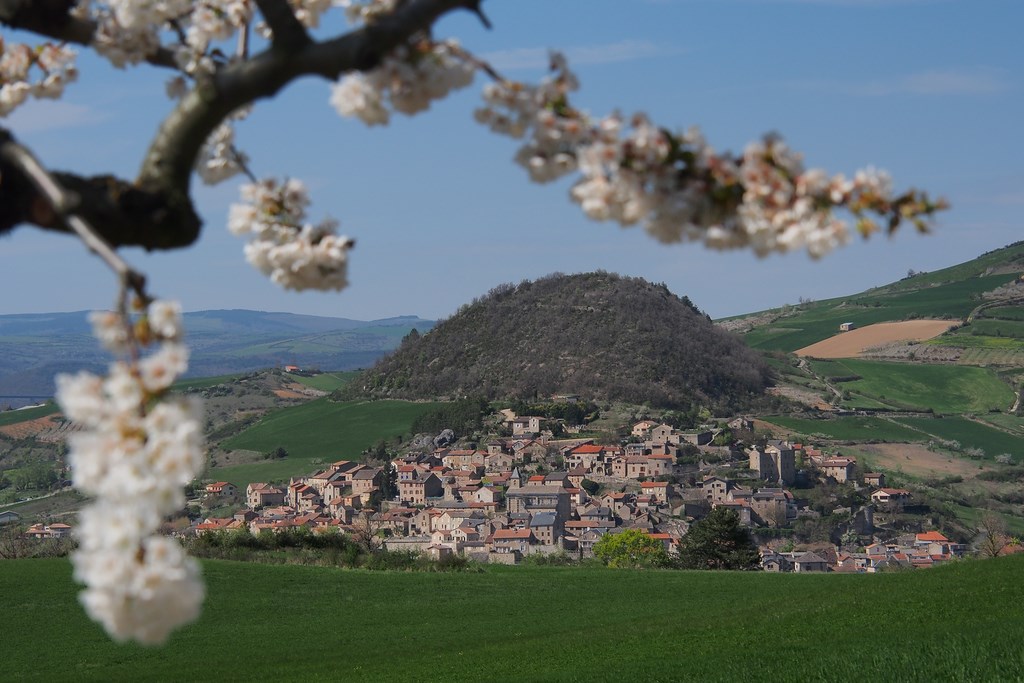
<point x="34" y="347"/>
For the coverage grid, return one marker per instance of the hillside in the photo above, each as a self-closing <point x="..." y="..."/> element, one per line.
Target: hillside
<point x="958" y="622"/>
<point x="984" y="293"/>
<point x="598" y="335"/>
<point x="35" y="347"/>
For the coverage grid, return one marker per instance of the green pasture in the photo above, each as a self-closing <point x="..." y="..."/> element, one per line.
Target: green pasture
<point x="1006" y="421"/>
<point x="326" y="381"/>
<point x="970" y="434"/>
<point x="320" y="430"/>
<point x="294" y="623"/>
<point x="988" y="327"/>
<point x="973" y="341"/>
<point x="850" y="428"/>
<point x="10" y="417"/>
<point x="972" y="517"/>
<point x="913" y="386"/>
<point x="822" y="319"/>
<point x="1005" y="312"/>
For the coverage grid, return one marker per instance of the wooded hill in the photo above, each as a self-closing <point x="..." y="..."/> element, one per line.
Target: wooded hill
<point x="599" y="335"/>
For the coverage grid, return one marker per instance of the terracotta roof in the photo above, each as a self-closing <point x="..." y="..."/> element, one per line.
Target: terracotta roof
<point x="511" y="534"/>
<point x="930" y="536"/>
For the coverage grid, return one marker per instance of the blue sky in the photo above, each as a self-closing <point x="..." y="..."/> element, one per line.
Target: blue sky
<point x="931" y="90"/>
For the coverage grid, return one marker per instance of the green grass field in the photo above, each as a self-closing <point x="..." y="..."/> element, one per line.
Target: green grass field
<point x="911" y="386"/>
<point x="857" y="428"/>
<point x="291" y="623"/>
<point x="10" y="417"/>
<point x="970" y="434"/>
<point x="327" y="381"/>
<point x="1005" y="312"/>
<point x="319" y="430"/>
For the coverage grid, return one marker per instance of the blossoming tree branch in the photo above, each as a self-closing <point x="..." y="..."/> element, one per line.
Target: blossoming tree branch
<point x="139" y="444"/>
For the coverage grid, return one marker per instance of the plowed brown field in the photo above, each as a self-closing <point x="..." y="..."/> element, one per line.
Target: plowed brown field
<point x="855" y="342"/>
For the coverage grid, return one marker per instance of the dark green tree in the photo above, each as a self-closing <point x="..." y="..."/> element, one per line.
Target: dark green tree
<point x="718" y="541"/>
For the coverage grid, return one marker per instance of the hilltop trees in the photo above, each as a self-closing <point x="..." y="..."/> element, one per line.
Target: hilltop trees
<point x="222" y="56"/>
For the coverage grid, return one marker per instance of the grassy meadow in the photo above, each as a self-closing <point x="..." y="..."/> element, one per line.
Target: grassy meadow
<point x="315" y="432"/>
<point x="281" y="622"/>
<point x="911" y="386"/>
<point x="327" y="381"/>
<point x="970" y="434"/>
<point x="10" y="417"/>
<point x="853" y="428"/>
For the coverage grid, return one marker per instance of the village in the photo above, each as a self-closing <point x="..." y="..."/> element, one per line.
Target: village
<point x="529" y="495"/>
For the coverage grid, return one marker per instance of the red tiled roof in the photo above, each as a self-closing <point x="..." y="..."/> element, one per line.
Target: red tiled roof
<point x="501" y="534"/>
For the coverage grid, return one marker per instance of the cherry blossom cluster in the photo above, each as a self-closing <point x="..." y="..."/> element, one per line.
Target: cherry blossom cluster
<point x="136" y="450"/>
<point x="678" y="187"/>
<point x="129" y="31"/>
<point x="55" y="65"/>
<point x="360" y="13"/>
<point x="295" y="254"/>
<point x="408" y="80"/>
<point x="219" y="158"/>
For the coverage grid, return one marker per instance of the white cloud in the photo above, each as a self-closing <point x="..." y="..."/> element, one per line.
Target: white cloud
<point x="42" y="115"/>
<point x="962" y="81"/>
<point x="537" y="57"/>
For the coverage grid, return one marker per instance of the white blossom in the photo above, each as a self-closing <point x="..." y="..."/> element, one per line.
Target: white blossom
<point x="218" y="158"/>
<point x="408" y="80"/>
<point x="55" y="65"/>
<point x="164" y="319"/>
<point x="136" y="451"/>
<point x="283" y="246"/>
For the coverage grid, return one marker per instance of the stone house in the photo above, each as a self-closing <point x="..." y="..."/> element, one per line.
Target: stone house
<point x="259" y="494"/>
<point x="416" y="491"/>
<point x="661" y="491"/>
<point x="545" y="528"/>
<point x="776" y="463"/>
<point x="526" y="425"/>
<point x="840" y="469"/>
<point x="512" y="541"/>
<point x="891" y="499"/>
<point x="642" y="428"/>
<point x="533" y="499"/>
<point x="716" y="489"/>
<point x="221" y="488"/>
<point x="876" y="479"/>
<point x="367" y="480"/>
